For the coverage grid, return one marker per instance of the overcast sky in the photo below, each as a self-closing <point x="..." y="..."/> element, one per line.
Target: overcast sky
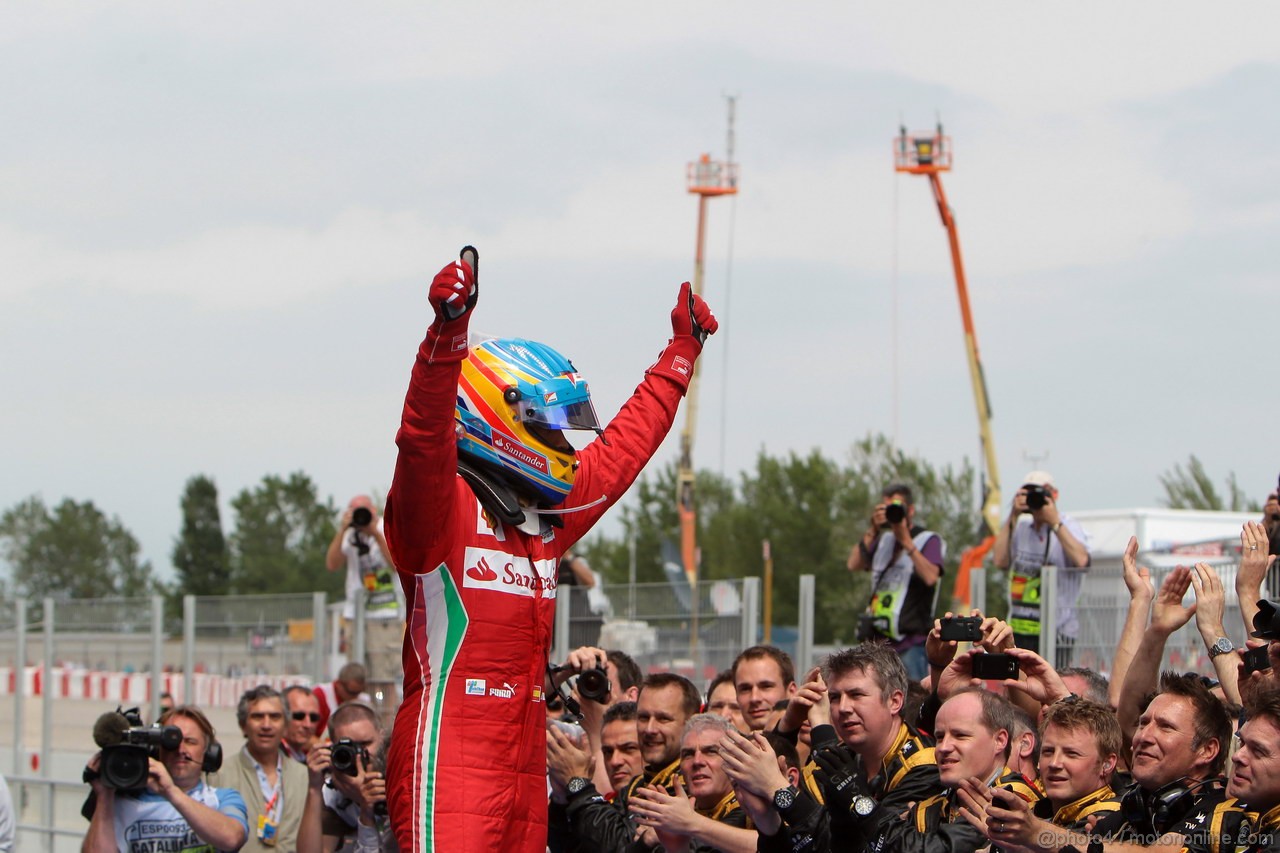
<point x="217" y="222"/>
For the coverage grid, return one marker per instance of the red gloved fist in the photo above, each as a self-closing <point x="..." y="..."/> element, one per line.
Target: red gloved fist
<point x="691" y="316"/>
<point x="453" y="291"/>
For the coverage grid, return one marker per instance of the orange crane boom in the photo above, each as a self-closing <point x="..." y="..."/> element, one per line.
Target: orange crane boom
<point x="929" y="154"/>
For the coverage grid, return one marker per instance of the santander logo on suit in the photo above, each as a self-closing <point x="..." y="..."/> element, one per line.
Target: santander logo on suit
<point x="510" y="574"/>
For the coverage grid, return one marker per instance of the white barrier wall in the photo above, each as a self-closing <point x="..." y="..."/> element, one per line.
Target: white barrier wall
<point x="134" y="688"/>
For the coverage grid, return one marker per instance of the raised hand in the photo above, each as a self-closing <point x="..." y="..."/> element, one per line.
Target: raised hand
<point x="1254" y="559"/>
<point x="1167" y="613"/>
<point x="811" y="695"/>
<point x="1210" y="601"/>
<point x="751" y="764"/>
<point x="455" y="288"/>
<point x="1137" y="578"/>
<point x="691" y="317"/>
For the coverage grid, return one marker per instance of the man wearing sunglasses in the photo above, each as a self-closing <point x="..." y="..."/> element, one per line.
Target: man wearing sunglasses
<point x="302" y="717"/>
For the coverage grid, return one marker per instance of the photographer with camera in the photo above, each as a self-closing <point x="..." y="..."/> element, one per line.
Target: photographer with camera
<point x="175" y="810"/>
<point x="360" y="546"/>
<point x="594" y="689"/>
<point x="1048" y="538"/>
<point x="905" y="561"/>
<point x="348" y="774"/>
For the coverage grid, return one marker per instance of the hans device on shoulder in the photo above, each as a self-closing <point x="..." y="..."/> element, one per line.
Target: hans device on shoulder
<point x="127" y="747"/>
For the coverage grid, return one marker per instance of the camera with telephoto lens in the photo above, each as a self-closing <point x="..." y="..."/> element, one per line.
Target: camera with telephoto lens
<point x="1037" y="496"/>
<point x="345" y="756"/>
<point x="125" y="762"/>
<point x="594" y="684"/>
<point x="895" y="512"/>
<point x="1266" y="622"/>
<point x="361" y="516"/>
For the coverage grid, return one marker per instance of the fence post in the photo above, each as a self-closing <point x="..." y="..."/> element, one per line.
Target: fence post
<point x="319" y="630"/>
<point x="750" y="612"/>
<point x="560" y="631"/>
<point x="804" y="635"/>
<point x="19" y="683"/>
<point x="357" y="644"/>
<point x="188" y="650"/>
<point x="978" y="588"/>
<point x="46" y="728"/>
<point x="157" y="654"/>
<point x="1049" y="614"/>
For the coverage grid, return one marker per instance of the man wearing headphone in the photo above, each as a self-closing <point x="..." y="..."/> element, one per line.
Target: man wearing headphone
<point x="177" y="811"/>
<point x="1179" y="797"/>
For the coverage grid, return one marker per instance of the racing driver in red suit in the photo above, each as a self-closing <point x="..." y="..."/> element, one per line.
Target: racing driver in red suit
<point x="487" y="495"/>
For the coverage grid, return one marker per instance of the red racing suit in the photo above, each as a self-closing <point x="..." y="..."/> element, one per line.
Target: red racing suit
<point x="466" y="769"/>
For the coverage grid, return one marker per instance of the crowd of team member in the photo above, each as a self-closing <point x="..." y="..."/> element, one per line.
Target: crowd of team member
<point x="857" y="755"/>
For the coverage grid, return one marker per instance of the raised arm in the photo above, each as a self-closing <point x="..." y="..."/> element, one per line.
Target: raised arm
<point x="1254" y="564"/>
<point x="1141" y="592"/>
<point x="220" y="830"/>
<point x="1001" y="551"/>
<point x="610" y="464"/>
<point x="1210" y="604"/>
<point x="420" y="505"/>
<point x="1167" y="616"/>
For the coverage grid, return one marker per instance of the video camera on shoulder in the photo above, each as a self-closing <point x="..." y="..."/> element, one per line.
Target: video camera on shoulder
<point x="127" y="747"/>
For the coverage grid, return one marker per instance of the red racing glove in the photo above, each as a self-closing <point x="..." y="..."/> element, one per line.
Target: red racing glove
<point x="452" y="295"/>
<point x="691" y="323"/>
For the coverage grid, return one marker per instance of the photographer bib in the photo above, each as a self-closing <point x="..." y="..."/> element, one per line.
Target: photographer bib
<point x="891" y="582"/>
<point x="1024" y="601"/>
<point x="369" y="575"/>
<point x="379" y="586"/>
<point x="1026" y="573"/>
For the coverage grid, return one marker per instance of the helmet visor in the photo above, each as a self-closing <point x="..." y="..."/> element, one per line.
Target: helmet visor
<point x="578" y="415"/>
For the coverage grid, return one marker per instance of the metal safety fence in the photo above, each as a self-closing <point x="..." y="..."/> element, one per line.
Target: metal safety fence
<point x="1103" y="605"/>
<point x="664" y="628"/>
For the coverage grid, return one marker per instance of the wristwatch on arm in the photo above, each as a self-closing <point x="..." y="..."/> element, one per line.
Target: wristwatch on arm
<point x="1221" y="646"/>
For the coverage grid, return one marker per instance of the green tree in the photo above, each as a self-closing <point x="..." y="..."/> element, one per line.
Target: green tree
<point x="282" y="530"/>
<point x="1192" y="488"/>
<point x="75" y="551"/>
<point x="811" y="509"/>
<point x="200" y="551"/>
